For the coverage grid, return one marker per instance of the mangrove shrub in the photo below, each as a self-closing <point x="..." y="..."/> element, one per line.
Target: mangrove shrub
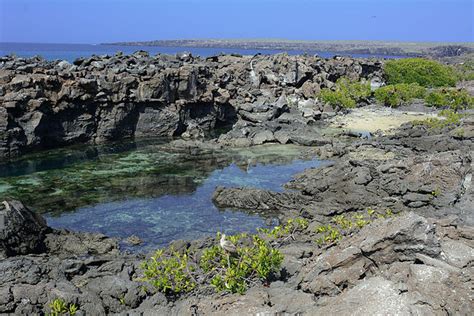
<point x="399" y="94"/>
<point x="234" y="272"/>
<point x="426" y="73"/>
<point x="172" y="272"/>
<point x="454" y="99"/>
<point x="346" y="94"/>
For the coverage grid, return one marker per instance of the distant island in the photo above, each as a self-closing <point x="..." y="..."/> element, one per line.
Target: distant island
<point x="436" y="49"/>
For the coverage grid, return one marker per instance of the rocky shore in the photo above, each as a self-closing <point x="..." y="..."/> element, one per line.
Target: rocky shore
<point x="411" y="189"/>
<point x="265" y="98"/>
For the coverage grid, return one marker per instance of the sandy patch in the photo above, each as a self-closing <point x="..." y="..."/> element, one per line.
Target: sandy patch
<point x="372" y="119"/>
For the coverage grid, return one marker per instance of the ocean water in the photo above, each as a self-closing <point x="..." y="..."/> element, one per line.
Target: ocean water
<point x="70" y="52"/>
<point x="146" y="188"/>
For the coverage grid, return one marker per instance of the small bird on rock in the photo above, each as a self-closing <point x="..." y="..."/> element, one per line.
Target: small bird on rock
<point x="227" y="245"/>
<point x="7" y="206"/>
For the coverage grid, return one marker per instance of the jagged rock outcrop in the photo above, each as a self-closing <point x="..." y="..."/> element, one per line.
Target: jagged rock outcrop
<point x="432" y="184"/>
<point x="49" y="104"/>
<point x="21" y="230"/>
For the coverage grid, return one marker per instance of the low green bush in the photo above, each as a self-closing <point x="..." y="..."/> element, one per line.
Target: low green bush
<point x="60" y="307"/>
<point x="329" y="233"/>
<point x="399" y="94"/>
<point x="346" y="94"/>
<point x="289" y="228"/>
<point x="465" y="71"/>
<point x="235" y="272"/>
<point x="172" y="272"/>
<point x="451" y="119"/>
<point x="343" y="225"/>
<point x="426" y="73"/>
<point x="169" y="272"/>
<point x="454" y="99"/>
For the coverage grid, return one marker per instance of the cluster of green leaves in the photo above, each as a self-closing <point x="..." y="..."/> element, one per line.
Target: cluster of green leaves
<point x="451" y="119"/>
<point x="399" y="94"/>
<point x="234" y="272"/>
<point x="459" y="133"/>
<point x="169" y="273"/>
<point x="425" y="72"/>
<point x="346" y="93"/>
<point x="329" y="234"/>
<point x="60" y="307"/>
<point x="172" y="272"/>
<point x="453" y="98"/>
<point x="374" y="214"/>
<point x="465" y="70"/>
<point x="289" y="228"/>
<point x="436" y="192"/>
<point x="402" y="93"/>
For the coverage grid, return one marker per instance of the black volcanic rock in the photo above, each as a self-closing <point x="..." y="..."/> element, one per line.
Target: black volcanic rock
<point x="22" y="231"/>
<point x="51" y="104"/>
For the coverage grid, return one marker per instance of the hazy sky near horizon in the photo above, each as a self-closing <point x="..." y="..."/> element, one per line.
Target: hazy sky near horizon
<point x="96" y="21"/>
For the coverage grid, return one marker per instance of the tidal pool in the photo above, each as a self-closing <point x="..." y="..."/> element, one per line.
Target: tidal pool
<point x="148" y="188"/>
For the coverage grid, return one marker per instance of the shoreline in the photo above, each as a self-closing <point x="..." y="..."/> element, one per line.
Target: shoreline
<point x="408" y="49"/>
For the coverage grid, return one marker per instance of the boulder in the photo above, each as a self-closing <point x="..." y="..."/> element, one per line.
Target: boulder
<point x="374" y="296"/>
<point x="384" y="242"/>
<point x="22" y="231"/>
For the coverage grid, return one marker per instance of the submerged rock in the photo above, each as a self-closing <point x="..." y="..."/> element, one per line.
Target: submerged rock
<point x="134" y="240"/>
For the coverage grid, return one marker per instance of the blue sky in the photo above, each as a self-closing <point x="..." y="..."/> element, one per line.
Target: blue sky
<point x="95" y="21"/>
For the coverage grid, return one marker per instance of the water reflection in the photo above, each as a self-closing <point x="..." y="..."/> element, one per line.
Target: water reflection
<point x="146" y="188"/>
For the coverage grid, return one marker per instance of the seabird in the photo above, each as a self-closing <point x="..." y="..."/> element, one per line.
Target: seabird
<point x="7" y="206"/>
<point x="227" y="245"/>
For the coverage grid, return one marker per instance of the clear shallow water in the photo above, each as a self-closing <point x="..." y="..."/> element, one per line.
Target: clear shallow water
<point x="146" y="188"/>
<point x="72" y="51"/>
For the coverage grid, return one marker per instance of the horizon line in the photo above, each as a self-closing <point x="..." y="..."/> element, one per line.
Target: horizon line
<point x="263" y="40"/>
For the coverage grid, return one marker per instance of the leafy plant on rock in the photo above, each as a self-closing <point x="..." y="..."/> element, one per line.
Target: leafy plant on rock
<point x="465" y="70"/>
<point x="329" y="233"/>
<point x="288" y="229"/>
<point x="169" y="272"/>
<point x="454" y="99"/>
<point x="399" y="94"/>
<point x="234" y="272"/>
<point x="172" y="272"/>
<point x="451" y="120"/>
<point x="343" y="225"/>
<point x="60" y="307"/>
<point x="346" y="93"/>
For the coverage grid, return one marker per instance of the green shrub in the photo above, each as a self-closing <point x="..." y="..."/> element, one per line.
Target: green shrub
<point x="426" y="73"/>
<point x="454" y="99"/>
<point x="465" y="71"/>
<point x="398" y="94"/>
<point x="343" y="225"/>
<point x="452" y="119"/>
<point x="288" y="229"/>
<point x="234" y="272"/>
<point x="169" y="273"/>
<point x="172" y="272"/>
<point x="346" y="94"/>
<point x="60" y="307"/>
<point x="329" y="233"/>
